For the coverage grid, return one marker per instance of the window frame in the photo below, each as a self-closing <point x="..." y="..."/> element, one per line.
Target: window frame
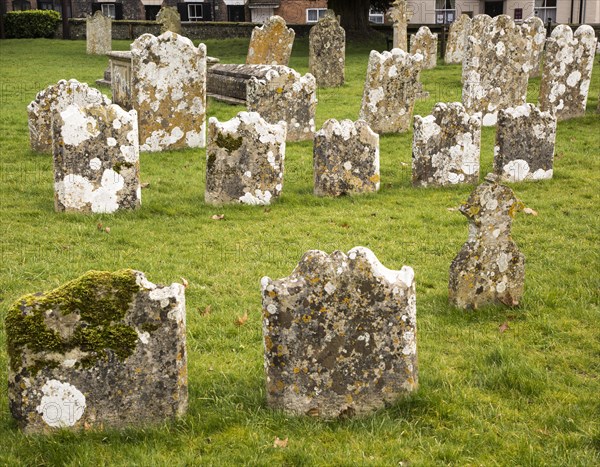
<point x="107" y="12"/>
<point x="376" y="17"/>
<point x="320" y="14"/>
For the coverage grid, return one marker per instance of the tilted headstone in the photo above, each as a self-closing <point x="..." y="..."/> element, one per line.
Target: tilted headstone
<point x="244" y="160"/>
<point x="271" y="43"/>
<point x="96" y="159"/>
<point x="391" y="87"/>
<point x="283" y="94"/>
<point x="57" y="97"/>
<point x="327" y="52"/>
<point x="228" y="82"/>
<point x="339" y="335"/>
<point x="489" y="269"/>
<point x="425" y="43"/>
<point x="525" y="138"/>
<point x="457" y="40"/>
<point x="169" y="91"/>
<point x="169" y="19"/>
<point x="98" y="34"/>
<point x="535" y="29"/>
<point x="106" y="350"/>
<point x="400" y="16"/>
<point x="567" y="71"/>
<point x="446" y="146"/>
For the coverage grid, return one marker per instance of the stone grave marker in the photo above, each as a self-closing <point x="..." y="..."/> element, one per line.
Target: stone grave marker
<point x="425" y="43"/>
<point x="98" y="34"/>
<point x="169" y="19"/>
<point x="399" y="15"/>
<point x="534" y="28"/>
<point x="271" y="43"/>
<point x="327" y="52"/>
<point x="457" y="40"/>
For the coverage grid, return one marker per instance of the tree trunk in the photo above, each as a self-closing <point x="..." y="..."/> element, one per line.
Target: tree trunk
<point x="354" y="14"/>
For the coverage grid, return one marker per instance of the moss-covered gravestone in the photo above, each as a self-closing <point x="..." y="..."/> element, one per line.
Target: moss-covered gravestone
<point x="327" y="51"/>
<point x="104" y="350"/>
<point x="271" y="43"/>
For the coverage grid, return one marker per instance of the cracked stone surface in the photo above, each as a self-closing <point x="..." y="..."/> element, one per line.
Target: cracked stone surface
<point x="271" y="43"/>
<point x="489" y="269"/>
<point x="567" y="71"/>
<point x="106" y="350"/>
<point x="244" y="160"/>
<point x="169" y="91"/>
<point x="535" y="29"/>
<point x="327" y="52"/>
<point x="391" y="87"/>
<point x="457" y="40"/>
<point x="425" y="43"/>
<point x="339" y="335"/>
<point x="446" y="147"/>
<point x="399" y="15"/>
<point x="98" y="34"/>
<point x="169" y="19"/>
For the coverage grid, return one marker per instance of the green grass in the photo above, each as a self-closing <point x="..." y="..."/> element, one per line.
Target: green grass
<point x="528" y="396"/>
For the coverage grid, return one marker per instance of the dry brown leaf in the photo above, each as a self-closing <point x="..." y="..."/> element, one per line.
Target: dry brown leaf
<point x="99" y="226"/>
<point x="241" y="320"/>
<point x="403" y="164"/>
<point x="145" y="185"/>
<point x="530" y="211"/>
<point x="503" y="327"/>
<point x="207" y="310"/>
<point x="184" y="282"/>
<point x="452" y="209"/>
<point x="280" y="443"/>
<point x="107" y="230"/>
<point x="218" y="217"/>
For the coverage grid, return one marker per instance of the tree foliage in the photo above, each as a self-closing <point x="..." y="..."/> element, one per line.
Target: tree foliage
<point x="355" y="13"/>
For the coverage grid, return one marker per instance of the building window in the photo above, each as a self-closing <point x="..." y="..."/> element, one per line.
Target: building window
<point x="545" y="9"/>
<point x="445" y="11"/>
<point x="375" y="16"/>
<point x="108" y="9"/>
<point x="315" y="14"/>
<point x="195" y="12"/>
<point x="518" y="13"/>
<point x="21" y="5"/>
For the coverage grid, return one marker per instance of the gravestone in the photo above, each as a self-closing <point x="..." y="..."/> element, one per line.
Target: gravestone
<point x="525" y="138"/>
<point x="345" y="158"/>
<point x="56" y="98"/>
<point x="120" y="82"/>
<point x="446" y="146"/>
<point x="425" y="43"/>
<point x="244" y="160"/>
<point x="106" y="350"/>
<point x="228" y="82"/>
<point x="457" y="40"/>
<point x="391" y="87"/>
<point x="98" y="34"/>
<point x="534" y="28"/>
<point x="327" y="52"/>
<point x="283" y="94"/>
<point x="489" y="269"/>
<point x="271" y="43"/>
<point x="339" y="335"/>
<point x="169" y="19"/>
<point x="567" y="72"/>
<point x="96" y="159"/>
<point x="399" y="15"/>
<point x="169" y="91"/>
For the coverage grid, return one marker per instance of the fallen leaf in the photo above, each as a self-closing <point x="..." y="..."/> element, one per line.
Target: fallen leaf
<point x="241" y="320"/>
<point x="452" y="209"/>
<point x="267" y="210"/>
<point x="218" y="217"/>
<point x="403" y="164"/>
<point x="503" y="327"/>
<point x="145" y="185"/>
<point x="373" y="214"/>
<point x="207" y="310"/>
<point x="184" y="282"/>
<point x="530" y="211"/>
<point x="99" y="226"/>
<point x="345" y="225"/>
<point x="107" y="230"/>
<point x="280" y="443"/>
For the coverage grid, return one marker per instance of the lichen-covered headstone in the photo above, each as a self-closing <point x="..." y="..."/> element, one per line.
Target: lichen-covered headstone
<point x="244" y="160"/>
<point x="535" y="29"/>
<point x="120" y="83"/>
<point x="56" y="98"/>
<point x="345" y="158"/>
<point x="327" y="52"/>
<point x="567" y="71"/>
<point x="391" y="87"/>
<point x="106" y="350"/>
<point x="98" y="34"/>
<point x="425" y="43"/>
<point x="271" y="43"/>
<point x="96" y="159"/>
<point x="489" y="269"/>
<point x="283" y="94"/>
<point x="446" y="147"/>
<point x="525" y="138"/>
<point x="339" y="335"/>
<point x="400" y="16"/>
<point x="169" y="19"/>
<point x="169" y="91"/>
<point x="457" y="40"/>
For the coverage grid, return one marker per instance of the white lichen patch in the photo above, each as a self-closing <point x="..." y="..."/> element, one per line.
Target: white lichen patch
<point x="61" y="405"/>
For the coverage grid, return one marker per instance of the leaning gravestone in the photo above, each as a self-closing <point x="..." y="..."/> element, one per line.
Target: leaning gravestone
<point x="169" y="19"/>
<point x="489" y="269"/>
<point x="534" y="28"/>
<point x="327" y="52"/>
<point x="391" y="87"/>
<point x="169" y="91"/>
<point x="345" y="158"/>
<point x="446" y="146"/>
<point x="567" y="72"/>
<point x="98" y="34"/>
<point x="106" y="350"/>
<point x="271" y="43"/>
<point x="525" y="139"/>
<point x="400" y="15"/>
<point x="56" y="98"/>
<point x="228" y="82"/>
<point x="283" y="94"/>
<point x="244" y="160"/>
<point x="96" y="159"/>
<point x="457" y="40"/>
<point x="425" y="43"/>
<point x="339" y="335"/>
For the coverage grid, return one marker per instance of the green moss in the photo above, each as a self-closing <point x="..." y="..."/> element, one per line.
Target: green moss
<point x="120" y="165"/>
<point x="228" y="142"/>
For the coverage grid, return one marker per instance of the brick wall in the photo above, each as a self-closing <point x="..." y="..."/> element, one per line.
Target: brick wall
<point x="294" y="11"/>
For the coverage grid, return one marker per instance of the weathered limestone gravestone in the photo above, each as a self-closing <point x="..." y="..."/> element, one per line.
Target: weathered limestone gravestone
<point x="228" y="82"/>
<point x="57" y="97"/>
<point x="327" y="52"/>
<point x="400" y="16"/>
<point x="345" y="158"/>
<point x="106" y="350"/>
<point x="98" y="34"/>
<point x="244" y="160"/>
<point x="169" y="19"/>
<point x="120" y="83"/>
<point x="525" y="139"/>
<point x="457" y="40"/>
<point x="425" y="43"/>
<point x="567" y="71"/>
<point x="271" y="43"/>
<point x="283" y="94"/>
<point x="535" y="29"/>
<point x="391" y="87"/>
<point x="169" y="91"/>
<point x="489" y="269"/>
<point x="339" y="335"/>
<point x="96" y="159"/>
<point x="446" y="146"/>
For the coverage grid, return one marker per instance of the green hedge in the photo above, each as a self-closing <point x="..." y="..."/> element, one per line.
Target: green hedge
<point x="31" y="23"/>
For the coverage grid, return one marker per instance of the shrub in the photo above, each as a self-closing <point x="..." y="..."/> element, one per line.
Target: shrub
<point x="31" y="23"/>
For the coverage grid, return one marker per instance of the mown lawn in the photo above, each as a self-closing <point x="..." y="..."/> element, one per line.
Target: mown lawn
<point x="526" y="396"/>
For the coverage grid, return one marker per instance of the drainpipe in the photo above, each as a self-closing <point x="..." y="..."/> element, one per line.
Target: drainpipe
<point x="571" y="16"/>
<point x="64" y="4"/>
<point x="581" y="17"/>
